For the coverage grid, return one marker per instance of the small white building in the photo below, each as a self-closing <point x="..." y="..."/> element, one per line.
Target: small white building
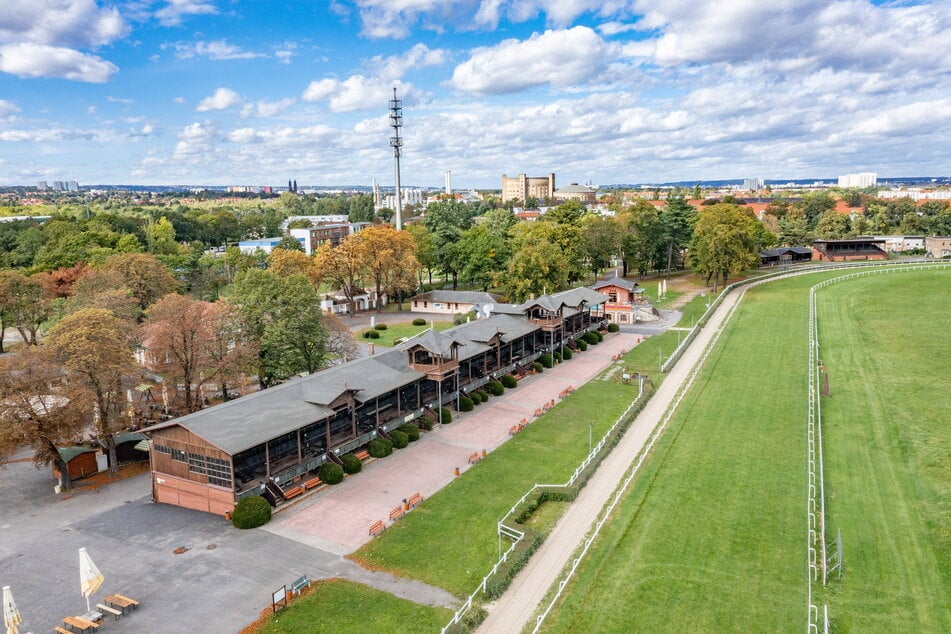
<point x="452" y="302"/>
<point x="901" y="244"/>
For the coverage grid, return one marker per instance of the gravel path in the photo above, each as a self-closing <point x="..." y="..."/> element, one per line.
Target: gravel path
<point x="512" y="612"/>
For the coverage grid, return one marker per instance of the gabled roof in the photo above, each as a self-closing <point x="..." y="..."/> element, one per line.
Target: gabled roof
<point x="545" y="302"/>
<point x="438" y="343"/>
<point x="772" y="253"/>
<point x="576" y="297"/>
<point x="456" y="297"/>
<point x="620" y="282"/>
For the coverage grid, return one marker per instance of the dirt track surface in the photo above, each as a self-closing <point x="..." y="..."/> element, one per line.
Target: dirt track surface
<point x="513" y="611"/>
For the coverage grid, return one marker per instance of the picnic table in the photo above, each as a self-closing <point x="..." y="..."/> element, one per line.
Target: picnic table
<point x="120" y="601"/>
<point x="80" y="623"/>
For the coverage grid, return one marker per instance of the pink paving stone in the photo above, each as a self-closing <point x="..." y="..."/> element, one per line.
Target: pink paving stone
<point x="340" y="516"/>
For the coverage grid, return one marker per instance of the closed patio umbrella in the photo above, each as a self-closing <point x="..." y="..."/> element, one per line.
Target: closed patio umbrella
<point x="89" y="576"/>
<point x="11" y="616"/>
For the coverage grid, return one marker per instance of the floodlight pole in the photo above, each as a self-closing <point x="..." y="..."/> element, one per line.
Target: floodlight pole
<point x="396" y="122"/>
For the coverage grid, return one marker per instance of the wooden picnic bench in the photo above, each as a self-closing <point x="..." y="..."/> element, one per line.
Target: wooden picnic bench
<point x="415" y="500"/>
<point x="121" y="602"/>
<point x="80" y="623"/>
<point x="474" y="457"/>
<point x="363" y="454"/>
<point x="299" y="584"/>
<point x="513" y="430"/>
<point x="112" y="611"/>
<point x="397" y="512"/>
<point x="377" y="527"/>
<point x="291" y="493"/>
<point x="60" y="630"/>
<point x="313" y="482"/>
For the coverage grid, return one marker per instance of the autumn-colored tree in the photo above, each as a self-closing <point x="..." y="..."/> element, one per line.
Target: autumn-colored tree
<point x="232" y="354"/>
<point x="104" y="289"/>
<point x="177" y="335"/>
<point x="24" y="304"/>
<point x="59" y="283"/>
<point x="388" y="257"/>
<point x="143" y="274"/>
<point x="341" y="266"/>
<point x="95" y="348"/>
<point x="38" y="409"/>
<point x="286" y="262"/>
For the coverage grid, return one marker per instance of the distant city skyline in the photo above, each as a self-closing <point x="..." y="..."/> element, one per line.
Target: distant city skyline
<point x="253" y="93"/>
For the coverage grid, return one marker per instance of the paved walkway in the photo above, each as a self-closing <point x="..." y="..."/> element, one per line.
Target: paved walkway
<point x="337" y="519"/>
<point x="514" y="609"/>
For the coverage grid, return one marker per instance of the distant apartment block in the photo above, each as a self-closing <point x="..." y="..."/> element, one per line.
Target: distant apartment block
<point x="58" y="186"/>
<point x="863" y="179"/>
<point x="72" y="186"/>
<point x="42" y="186"/>
<point x="753" y="184"/>
<point x="407" y="197"/>
<point x="522" y="187"/>
<point x="916" y="194"/>
<point x="333" y="233"/>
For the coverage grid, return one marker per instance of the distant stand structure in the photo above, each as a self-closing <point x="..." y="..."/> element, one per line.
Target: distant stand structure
<point x="396" y="122"/>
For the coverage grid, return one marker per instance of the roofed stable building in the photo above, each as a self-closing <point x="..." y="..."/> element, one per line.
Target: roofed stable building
<point x="270" y="442"/>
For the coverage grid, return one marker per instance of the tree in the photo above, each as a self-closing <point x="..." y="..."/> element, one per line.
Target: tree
<point x="642" y="242"/>
<point x="447" y="219"/>
<point x="161" y="237"/>
<point x="484" y="256"/>
<point x="386" y="255"/>
<point x="342" y="266"/>
<point x="24" y="304"/>
<point x="143" y="274"/>
<point x="602" y="239"/>
<point x="425" y="249"/>
<point x="283" y="263"/>
<point x="726" y="241"/>
<point x="38" y="409"/>
<point x="289" y="243"/>
<point x="538" y="265"/>
<point x="104" y="289"/>
<point x="832" y="225"/>
<point x="361" y="208"/>
<point x="676" y="220"/>
<point x="95" y="347"/>
<point x="814" y="205"/>
<point x="794" y="230"/>
<point x="232" y="354"/>
<point x="340" y="341"/>
<point x="177" y="333"/>
<point x="282" y="317"/>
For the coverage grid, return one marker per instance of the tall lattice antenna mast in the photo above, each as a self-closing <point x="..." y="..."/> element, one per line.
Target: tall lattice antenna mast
<point x="396" y="122"/>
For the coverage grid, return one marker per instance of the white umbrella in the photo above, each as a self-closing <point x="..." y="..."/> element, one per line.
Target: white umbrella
<point x="89" y="576"/>
<point x="11" y="616"/>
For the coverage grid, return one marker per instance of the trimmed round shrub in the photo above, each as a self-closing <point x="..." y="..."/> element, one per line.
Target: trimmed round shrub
<point x="380" y="326"/>
<point x="330" y="473"/>
<point x="371" y="334"/>
<point x="545" y="360"/>
<point x="251" y="512"/>
<point x="556" y="356"/>
<point x="508" y="381"/>
<point x="400" y="439"/>
<point x="411" y="431"/>
<point x="424" y="423"/>
<point x="612" y="327"/>
<point x="591" y="337"/>
<point x="567" y="355"/>
<point x="582" y="345"/>
<point x="380" y="448"/>
<point x="465" y="404"/>
<point x="597" y="334"/>
<point x="494" y="388"/>
<point x="476" y="397"/>
<point x="419" y="321"/>
<point x="446" y="416"/>
<point x="351" y="464"/>
<point x="483" y="395"/>
<point x="538" y="367"/>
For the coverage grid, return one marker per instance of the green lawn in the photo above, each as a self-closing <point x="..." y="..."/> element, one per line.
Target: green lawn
<point x="885" y="342"/>
<point x="710" y="537"/>
<point x="338" y="607"/>
<point x="398" y="330"/>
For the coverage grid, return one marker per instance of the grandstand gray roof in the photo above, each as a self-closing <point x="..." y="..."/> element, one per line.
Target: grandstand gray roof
<point x="620" y="282"/>
<point x="438" y="343"/>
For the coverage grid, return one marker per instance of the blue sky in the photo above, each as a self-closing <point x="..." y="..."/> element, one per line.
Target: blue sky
<point x="256" y="92"/>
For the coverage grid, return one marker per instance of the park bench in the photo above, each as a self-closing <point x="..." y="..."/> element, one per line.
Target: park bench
<point x="397" y="512"/>
<point x="290" y="493"/>
<point x="60" y="630"/>
<point x="121" y="601"/>
<point x="313" y="482"/>
<point x="299" y="584"/>
<point x="539" y="412"/>
<point x="112" y="611"/>
<point x="514" y="429"/>
<point x="415" y="500"/>
<point x="377" y="527"/>
<point x="474" y="457"/>
<point x="362" y="455"/>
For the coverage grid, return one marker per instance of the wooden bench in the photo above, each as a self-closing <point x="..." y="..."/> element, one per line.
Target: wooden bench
<point x="539" y="412"/>
<point x="112" y="611"/>
<point x="299" y="584"/>
<point x="474" y="457"/>
<point x="513" y="430"/>
<point x="415" y="500"/>
<point x="362" y="455"/>
<point x="313" y="482"/>
<point x="397" y="512"/>
<point x="121" y="601"/>
<point x="377" y="527"/>
<point x="291" y="493"/>
<point x="60" y="630"/>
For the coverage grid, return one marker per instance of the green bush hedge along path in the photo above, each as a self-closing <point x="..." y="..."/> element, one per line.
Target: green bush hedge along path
<point x="710" y="537"/>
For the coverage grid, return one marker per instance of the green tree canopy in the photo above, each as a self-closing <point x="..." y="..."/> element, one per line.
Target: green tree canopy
<point x="727" y="240"/>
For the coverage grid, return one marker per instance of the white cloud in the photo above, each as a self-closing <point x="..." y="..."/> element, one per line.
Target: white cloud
<point x="244" y="135"/>
<point x="222" y="99"/>
<point x="171" y="14"/>
<point x="40" y="60"/>
<point x="122" y="100"/>
<point x="286" y="52"/>
<point x="613" y="28"/>
<point x="178" y="100"/>
<point x="394" y="18"/>
<point x="395" y="66"/>
<point x="71" y="23"/>
<point x="914" y="118"/>
<point x="8" y="110"/>
<point x="557" y="58"/>
<point x="197" y="142"/>
<point x="216" y="49"/>
<point x="355" y="93"/>
<point x="273" y="108"/>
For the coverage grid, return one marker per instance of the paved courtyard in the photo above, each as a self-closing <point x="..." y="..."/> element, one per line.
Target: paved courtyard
<point x="224" y="578"/>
